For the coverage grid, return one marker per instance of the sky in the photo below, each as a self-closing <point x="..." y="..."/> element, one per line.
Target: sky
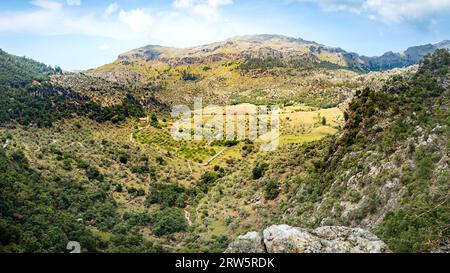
<point x="83" y="34"/>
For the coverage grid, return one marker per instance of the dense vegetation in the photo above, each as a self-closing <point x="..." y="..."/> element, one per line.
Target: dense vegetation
<point x="43" y="105"/>
<point x="42" y="216"/>
<point x="269" y="63"/>
<point x="167" y="195"/>
<point x="19" y="71"/>
<point x="28" y="98"/>
<point x="130" y="107"/>
<point x="422" y="223"/>
<point x="410" y="109"/>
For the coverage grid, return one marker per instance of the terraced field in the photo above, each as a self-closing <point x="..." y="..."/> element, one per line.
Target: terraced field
<point x="298" y="124"/>
<point x="196" y="151"/>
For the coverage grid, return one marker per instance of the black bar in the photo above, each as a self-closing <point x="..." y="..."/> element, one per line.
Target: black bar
<point x="223" y="262"/>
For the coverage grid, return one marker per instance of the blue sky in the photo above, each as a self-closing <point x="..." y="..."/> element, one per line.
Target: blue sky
<point x="82" y="34"/>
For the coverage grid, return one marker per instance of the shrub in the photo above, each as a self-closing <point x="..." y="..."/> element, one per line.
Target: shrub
<point x="207" y="179"/>
<point x="188" y="76"/>
<point x="93" y="174"/>
<point x="168" y="221"/>
<point x="168" y="195"/>
<point x="354" y="196"/>
<point x="136" y="192"/>
<point x="137" y="219"/>
<point x="19" y="157"/>
<point x="119" y="188"/>
<point x="123" y="158"/>
<point x="272" y="190"/>
<point x="160" y="160"/>
<point x="140" y="169"/>
<point x="259" y="170"/>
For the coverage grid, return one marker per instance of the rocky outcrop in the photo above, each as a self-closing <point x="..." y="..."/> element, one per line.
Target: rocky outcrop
<point x="286" y="239"/>
<point x="248" y="243"/>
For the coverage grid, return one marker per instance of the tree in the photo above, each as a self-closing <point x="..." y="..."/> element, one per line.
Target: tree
<point x="123" y="158"/>
<point x="168" y="195"/>
<point x="168" y="221"/>
<point x="272" y="190"/>
<point x="259" y="170"/>
<point x="58" y="70"/>
<point x="154" y="118"/>
<point x="160" y="160"/>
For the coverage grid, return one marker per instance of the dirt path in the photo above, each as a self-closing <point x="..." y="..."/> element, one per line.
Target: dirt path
<point x="77" y="143"/>
<point x="187" y="216"/>
<point x="190" y="167"/>
<point x="212" y="158"/>
<point x="216" y="156"/>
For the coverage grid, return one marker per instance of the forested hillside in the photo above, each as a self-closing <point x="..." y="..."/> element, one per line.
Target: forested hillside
<point x="76" y="167"/>
<point x="389" y="168"/>
<point x="29" y="98"/>
<point x="19" y="71"/>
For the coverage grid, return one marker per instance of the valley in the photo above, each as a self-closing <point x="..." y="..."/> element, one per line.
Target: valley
<point x="90" y="157"/>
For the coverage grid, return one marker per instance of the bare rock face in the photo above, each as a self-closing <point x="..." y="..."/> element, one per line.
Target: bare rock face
<point x="248" y="243"/>
<point x="286" y="239"/>
<point x="349" y="240"/>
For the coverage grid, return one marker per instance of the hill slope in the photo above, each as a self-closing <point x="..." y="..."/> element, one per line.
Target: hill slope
<point x="29" y="97"/>
<point x="388" y="170"/>
<point x="17" y="71"/>
<point x="255" y="69"/>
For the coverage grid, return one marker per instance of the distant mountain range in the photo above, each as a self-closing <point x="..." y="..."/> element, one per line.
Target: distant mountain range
<point x="277" y="46"/>
<point x="411" y="56"/>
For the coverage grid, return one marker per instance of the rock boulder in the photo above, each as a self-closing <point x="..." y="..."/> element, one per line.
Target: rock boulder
<point x="328" y="239"/>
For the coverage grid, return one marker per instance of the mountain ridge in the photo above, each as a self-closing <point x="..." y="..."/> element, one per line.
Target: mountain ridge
<point x="279" y="46"/>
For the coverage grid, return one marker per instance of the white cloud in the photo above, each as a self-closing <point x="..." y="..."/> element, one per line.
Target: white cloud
<point x="138" y="19"/>
<point x="389" y="11"/>
<point x="112" y="8"/>
<point x="50" y="18"/>
<point x="405" y="10"/>
<point x="182" y="4"/>
<point x="73" y="2"/>
<point x="171" y="26"/>
<point x="206" y="8"/>
<point x="47" y="4"/>
<point x="104" y="46"/>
